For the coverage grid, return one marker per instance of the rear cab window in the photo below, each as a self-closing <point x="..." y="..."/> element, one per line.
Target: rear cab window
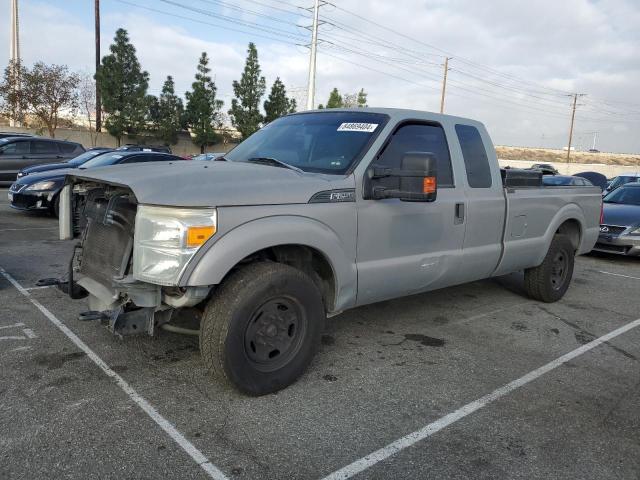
<point x="476" y="161"/>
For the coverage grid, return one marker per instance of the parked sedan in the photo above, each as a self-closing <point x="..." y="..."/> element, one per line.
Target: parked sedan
<point x="208" y="156"/>
<point x="40" y="191"/>
<point x="20" y="152"/>
<point x="620" y="228"/>
<point x="565" y="180"/>
<point x="73" y="163"/>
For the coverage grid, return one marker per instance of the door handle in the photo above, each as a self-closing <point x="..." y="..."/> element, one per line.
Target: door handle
<point x="459" y="214"/>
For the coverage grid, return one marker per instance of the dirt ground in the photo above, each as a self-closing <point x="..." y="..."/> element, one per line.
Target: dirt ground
<point x="549" y="155"/>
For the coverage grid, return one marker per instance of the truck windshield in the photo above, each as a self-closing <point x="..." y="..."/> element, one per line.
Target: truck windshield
<point x="323" y="142"/>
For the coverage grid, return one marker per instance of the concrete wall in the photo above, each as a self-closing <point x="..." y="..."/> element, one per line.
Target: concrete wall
<point x="184" y="146"/>
<point x="572" y="168"/>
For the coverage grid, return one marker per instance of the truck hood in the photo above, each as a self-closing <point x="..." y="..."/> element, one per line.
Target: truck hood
<point x="217" y="183"/>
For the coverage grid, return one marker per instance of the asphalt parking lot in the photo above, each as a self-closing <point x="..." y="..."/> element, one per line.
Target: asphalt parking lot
<point x="443" y="360"/>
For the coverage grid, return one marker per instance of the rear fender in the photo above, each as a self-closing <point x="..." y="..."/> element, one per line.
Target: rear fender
<point x="569" y="212"/>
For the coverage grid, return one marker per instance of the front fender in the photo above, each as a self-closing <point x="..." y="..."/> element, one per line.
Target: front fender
<point x="210" y="266"/>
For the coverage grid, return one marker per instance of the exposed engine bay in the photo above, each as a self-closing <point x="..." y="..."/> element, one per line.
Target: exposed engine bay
<point x="103" y="218"/>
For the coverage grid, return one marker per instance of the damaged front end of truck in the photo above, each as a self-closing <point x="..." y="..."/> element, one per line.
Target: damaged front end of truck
<point x="129" y="257"/>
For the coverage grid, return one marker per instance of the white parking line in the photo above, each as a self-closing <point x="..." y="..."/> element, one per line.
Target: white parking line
<point x="28" y="289"/>
<point x="146" y="407"/>
<point x="618" y="275"/>
<point x="434" y="427"/>
<point x="15" y="325"/>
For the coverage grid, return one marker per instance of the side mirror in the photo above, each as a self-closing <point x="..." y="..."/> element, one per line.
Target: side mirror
<point x="414" y="181"/>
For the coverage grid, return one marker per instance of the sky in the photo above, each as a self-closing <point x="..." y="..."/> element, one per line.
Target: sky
<point x="513" y="63"/>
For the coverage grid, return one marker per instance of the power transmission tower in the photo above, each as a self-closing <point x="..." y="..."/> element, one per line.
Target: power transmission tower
<point x="573" y="117"/>
<point x="311" y="85"/>
<point x="97" y="33"/>
<point x="14" y="55"/>
<point x="444" y="83"/>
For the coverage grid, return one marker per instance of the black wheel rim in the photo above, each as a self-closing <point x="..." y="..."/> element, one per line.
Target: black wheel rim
<point x="274" y="333"/>
<point x="559" y="270"/>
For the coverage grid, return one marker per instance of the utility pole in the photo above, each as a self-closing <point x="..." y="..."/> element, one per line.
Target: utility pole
<point x="444" y="83"/>
<point x="595" y="136"/>
<point x="311" y="85"/>
<point x="14" y="53"/>
<point x="573" y="117"/>
<point x="97" y="33"/>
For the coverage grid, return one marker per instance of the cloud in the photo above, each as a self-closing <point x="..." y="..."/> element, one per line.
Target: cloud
<point x="572" y="46"/>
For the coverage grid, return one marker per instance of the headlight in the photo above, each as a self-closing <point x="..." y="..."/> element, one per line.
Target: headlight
<point x="21" y="174"/>
<point x="46" y="185"/>
<point x="166" y="238"/>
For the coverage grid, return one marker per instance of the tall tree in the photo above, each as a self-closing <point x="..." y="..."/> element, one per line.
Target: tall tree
<point x="43" y="92"/>
<point x="277" y="104"/>
<point x="245" y="108"/>
<point x="335" y="99"/>
<point x="362" y="98"/>
<point x="123" y="88"/>
<point x="203" y="114"/>
<point x="350" y="100"/>
<point x="169" y="114"/>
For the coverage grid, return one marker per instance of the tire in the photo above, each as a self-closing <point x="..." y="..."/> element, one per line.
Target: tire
<point x="55" y="206"/>
<point x="262" y="328"/>
<point x="549" y="281"/>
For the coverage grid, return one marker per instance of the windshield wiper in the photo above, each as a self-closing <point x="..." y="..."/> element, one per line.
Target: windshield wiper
<point x="274" y="162"/>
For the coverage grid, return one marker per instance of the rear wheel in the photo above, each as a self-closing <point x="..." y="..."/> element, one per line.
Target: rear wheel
<point x="549" y="281"/>
<point x="261" y="329"/>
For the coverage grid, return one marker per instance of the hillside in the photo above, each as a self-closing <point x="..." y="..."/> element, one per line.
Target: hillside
<point x="549" y="155"/>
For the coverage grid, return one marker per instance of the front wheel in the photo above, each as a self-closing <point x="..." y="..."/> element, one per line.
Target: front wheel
<point x="263" y="326"/>
<point x="549" y="281"/>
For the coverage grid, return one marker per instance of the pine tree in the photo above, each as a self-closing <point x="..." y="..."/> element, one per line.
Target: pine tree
<point x="278" y="104"/>
<point x="202" y="113"/>
<point x="362" y="98"/>
<point x="123" y="88"/>
<point x="168" y="118"/>
<point x="245" y="108"/>
<point x="335" y="100"/>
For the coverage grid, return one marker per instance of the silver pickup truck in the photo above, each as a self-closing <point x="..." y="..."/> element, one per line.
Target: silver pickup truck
<point x="315" y="213"/>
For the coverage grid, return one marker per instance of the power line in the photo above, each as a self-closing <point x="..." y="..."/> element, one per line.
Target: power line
<point x="203" y="22"/>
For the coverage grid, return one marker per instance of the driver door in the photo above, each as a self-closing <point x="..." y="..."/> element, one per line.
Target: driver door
<point x="410" y="247"/>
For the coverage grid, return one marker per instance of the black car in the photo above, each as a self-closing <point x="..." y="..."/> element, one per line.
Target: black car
<point x="73" y="163"/>
<point x="565" y="180"/>
<point x="17" y="153"/>
<point x="14" y="134"/>
<point x="545" y="168"/>
<point x="40" y="191"/>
